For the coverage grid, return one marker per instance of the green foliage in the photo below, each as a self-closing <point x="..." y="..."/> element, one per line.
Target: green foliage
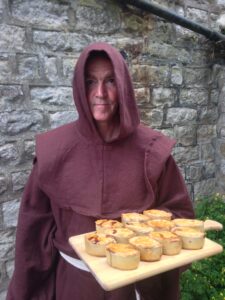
<point x="205" y="279"/>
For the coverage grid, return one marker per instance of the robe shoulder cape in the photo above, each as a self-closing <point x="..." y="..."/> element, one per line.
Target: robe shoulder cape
<point x="66" y="176"/>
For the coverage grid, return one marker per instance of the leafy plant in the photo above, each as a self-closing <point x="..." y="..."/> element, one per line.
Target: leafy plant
<point x="205" y="279"/>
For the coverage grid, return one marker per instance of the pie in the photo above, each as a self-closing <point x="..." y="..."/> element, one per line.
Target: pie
<point x="192" y="223"/>
<point x="103" y="224"/>
<point x="150" y="249"/>
<point x="192" y="239"/>
<point x="122" y="256"/>
<point x="139" y="228"/>
<point x="171" y="242"/>
<point x="95" y="243"/>
<point x="133" y="217"/>
<point x="158" y="214"/>
<point x="160" y="225"/>
<point x="121" y="235"/>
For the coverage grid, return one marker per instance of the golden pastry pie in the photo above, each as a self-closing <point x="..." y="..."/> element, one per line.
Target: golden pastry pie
<point x="133" y="217"/>
<point x="139" y="228"/>
<point x="122" y="256"/>
<point x="121" y="235"/>
<point x="192" y="239"/>
<point x="171" y="243"/>
<point x="150" y="249"/>
<point x="95" y="243"/>
<point x="160" y="225"/>
<point x="154" y="214"/>
<point x="103" y="224"/>
<point x="192" y="223"/>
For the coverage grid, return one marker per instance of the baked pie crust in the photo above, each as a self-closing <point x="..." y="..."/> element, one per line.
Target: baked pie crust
<point x="157" y="214"/>
<point x="139" y="228"/>
<point x="150" y="249"/>
<point x="122" y="256"/>
<point x="133" y="217"/>
<point x="160" y="225"/>
<point x="171" y="243"/>
<point x="103" y="224"/>
<point x="192" y="239"/>
<point x="95" y="243"/>
<point x="121" y="235"/>
<point x="192" y="223"/>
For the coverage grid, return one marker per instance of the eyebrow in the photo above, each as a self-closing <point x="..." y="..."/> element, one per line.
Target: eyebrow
<point x="109" y="74"/>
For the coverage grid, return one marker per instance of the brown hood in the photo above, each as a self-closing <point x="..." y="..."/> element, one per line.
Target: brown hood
<point x="129" y="116"/>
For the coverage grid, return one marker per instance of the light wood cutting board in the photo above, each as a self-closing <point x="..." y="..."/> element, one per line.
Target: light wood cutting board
<point x="110" y="278"/>
<point x="212" y="225"/>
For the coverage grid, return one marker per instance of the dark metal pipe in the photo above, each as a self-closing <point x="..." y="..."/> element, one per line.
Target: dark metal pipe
<point x="173" y="17"/>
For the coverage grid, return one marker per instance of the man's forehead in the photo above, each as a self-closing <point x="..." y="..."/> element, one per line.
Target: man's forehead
<point x="99" y="64"/>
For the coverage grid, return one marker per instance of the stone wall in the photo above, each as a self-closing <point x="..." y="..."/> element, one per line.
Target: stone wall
<point x="179" y="84"/>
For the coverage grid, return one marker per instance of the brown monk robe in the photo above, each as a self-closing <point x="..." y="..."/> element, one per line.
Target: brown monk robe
<point x="104" y="164"/>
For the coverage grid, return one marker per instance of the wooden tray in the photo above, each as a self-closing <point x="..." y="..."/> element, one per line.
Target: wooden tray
<point x="110" y="278"/>
<point x="212" y="225"/>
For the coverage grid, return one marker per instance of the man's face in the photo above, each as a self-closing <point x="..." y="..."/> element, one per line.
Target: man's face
<point x="101" y="90"/>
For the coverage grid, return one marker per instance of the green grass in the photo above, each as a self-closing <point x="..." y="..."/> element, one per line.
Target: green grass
<point x="205" y="279"/>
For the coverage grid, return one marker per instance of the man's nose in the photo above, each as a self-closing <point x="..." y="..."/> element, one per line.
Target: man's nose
<point x="100" y="90"/>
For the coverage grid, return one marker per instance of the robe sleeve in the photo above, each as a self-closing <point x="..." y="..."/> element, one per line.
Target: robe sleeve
<point x="35" y="255"/>
<point x="171" y="191"/>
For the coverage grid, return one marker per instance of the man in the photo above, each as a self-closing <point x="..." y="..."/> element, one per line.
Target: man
<point x="100" y="166"/>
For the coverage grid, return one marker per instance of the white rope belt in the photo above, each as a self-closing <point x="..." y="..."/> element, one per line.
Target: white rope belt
<point x="77" y="263"/>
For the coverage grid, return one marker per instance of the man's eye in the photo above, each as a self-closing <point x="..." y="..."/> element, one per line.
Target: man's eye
<point x="111" y="81"/>
<point x="89" y="82"/>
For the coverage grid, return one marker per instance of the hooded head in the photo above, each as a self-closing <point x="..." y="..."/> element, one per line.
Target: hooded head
<point x="125" y="110"/>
